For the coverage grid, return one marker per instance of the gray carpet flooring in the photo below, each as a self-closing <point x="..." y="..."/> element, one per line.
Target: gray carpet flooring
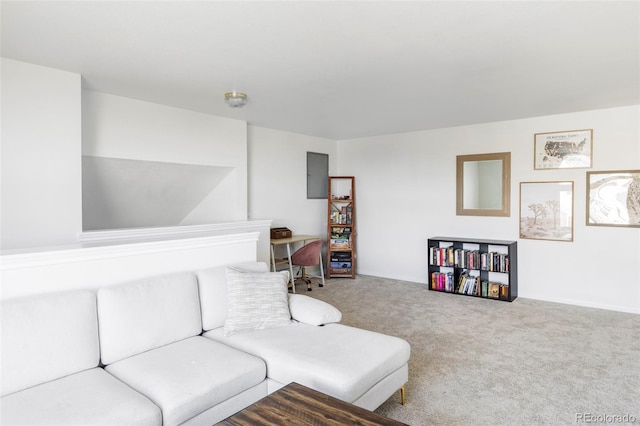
<point x="486" y="362"/>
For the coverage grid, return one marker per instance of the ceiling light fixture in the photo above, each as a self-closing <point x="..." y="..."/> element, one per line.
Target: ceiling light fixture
<point x="235" y="99"/>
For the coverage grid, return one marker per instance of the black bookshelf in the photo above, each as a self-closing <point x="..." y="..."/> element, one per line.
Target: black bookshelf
<point x="473" y="267"/>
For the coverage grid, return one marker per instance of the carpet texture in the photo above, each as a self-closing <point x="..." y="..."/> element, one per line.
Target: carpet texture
<point x="485" y="362"/>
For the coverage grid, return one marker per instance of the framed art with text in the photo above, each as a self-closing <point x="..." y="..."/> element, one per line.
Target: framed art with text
<point x="613" y="198"/>
<point x="546" y="210"/>
<point x="569" y="149"/>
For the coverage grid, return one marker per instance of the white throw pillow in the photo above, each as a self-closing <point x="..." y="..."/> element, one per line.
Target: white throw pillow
<point x="212" y="283"/>
<point x="256" y="300"/>
<point x="312" y="311"/>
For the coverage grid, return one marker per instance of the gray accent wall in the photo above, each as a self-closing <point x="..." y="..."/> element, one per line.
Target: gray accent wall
<point x="120" y="193"/>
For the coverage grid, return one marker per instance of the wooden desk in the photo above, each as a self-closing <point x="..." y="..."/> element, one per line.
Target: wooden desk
<point x="288" y="242"/>
<point x="298" y="405"/>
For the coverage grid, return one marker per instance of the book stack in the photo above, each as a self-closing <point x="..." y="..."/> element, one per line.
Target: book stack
<point x="495" y="262"/>
<point x="340" y="262"/>
<point x="441" y="256"/>
<point x="495" y="290"/>
<point x="340" y="238"/>
<point x="468" y="284"/>
<point x="343" y="216"/>
<point x="469" y="259"/>
<point x="442" y="281"/>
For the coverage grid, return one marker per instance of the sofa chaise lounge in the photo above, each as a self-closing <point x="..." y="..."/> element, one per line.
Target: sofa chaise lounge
<point x="185" y="348"/>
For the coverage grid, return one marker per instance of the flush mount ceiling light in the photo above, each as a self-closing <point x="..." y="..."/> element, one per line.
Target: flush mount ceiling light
<point x="235" y="99"/>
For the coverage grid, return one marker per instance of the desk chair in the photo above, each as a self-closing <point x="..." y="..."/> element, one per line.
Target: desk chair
<point x="308" y="255"/>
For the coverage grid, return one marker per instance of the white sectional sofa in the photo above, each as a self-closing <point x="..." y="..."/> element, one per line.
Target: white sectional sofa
<point x="181" y="349"/>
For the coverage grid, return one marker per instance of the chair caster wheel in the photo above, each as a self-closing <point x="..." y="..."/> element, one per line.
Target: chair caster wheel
<point x="320" y="285"/>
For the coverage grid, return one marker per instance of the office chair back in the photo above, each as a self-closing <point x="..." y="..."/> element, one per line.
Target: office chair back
<point x="309" y="255"/>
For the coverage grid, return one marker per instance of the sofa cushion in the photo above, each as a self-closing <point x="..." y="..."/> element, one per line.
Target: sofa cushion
<point x="47" y="337"/>
<point x="142" y="315"/>
<point x="336" y="359"/>
<point x="212" y="283"/>
<point x="188" y="377"/>
<point x="91" y="397"/>
<point x="312" y="311"/>
<point x="256" y="300"/>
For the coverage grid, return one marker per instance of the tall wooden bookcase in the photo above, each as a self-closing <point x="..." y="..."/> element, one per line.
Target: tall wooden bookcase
<point x="341" y="227"/>
<point x="474" y="267"/>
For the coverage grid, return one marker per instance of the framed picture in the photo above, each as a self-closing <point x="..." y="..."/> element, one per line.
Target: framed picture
<point x="546" y="210"/>
<point x="613" y="198"/>
<point x="569" y="149"/>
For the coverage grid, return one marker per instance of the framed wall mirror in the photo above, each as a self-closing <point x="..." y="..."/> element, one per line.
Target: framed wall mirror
<point x="483" y="184"/>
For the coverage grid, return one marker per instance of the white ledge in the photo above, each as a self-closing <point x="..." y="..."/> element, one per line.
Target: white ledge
<point x="167" y="232"/>
<point x="80" y="254"/>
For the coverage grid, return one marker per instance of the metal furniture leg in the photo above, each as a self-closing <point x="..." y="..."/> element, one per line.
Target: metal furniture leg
<point x="291" y="276"/>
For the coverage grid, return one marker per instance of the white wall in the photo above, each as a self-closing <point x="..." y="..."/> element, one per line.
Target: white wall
<point x="40" y="167"/>
<point x="31" y="273"/>
<point x="278" y="179"/>
<point x="123" y="128"/>
<point x="405" y="183"/>
<point x="405" y="186"/>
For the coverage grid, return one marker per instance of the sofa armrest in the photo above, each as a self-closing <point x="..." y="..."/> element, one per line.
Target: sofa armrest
<point x="312" y="311"/>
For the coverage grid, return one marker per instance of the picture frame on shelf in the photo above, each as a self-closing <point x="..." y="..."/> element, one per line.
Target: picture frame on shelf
<point x="546" y="210"/>
<point x="569" y="149"/>
<point x="613" y="198"/>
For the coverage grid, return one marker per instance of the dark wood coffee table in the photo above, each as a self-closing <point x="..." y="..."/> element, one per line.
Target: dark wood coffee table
<point x="298" y="405"/>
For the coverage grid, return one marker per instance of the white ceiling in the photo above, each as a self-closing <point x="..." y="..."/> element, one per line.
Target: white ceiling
<point x="340" y="69"/>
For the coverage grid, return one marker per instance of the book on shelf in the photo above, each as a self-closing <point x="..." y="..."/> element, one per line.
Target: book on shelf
<point x="468" y="284"/>
<point x="341" y="236"/>
<point x="334" y="218"/>
<point x="341" y="270"/>
<point x="341" y="232"/>
<point x="347" y="211"/>
<point x="340" y="244"/>
<point x="462" y="282"/>
<point x="337" y="256"/>
<point x="494" y="290"/>
<point x="504" y="292"/>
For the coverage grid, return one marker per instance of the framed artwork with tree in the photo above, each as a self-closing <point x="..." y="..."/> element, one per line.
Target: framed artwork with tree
<point x="546" y="210"/>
